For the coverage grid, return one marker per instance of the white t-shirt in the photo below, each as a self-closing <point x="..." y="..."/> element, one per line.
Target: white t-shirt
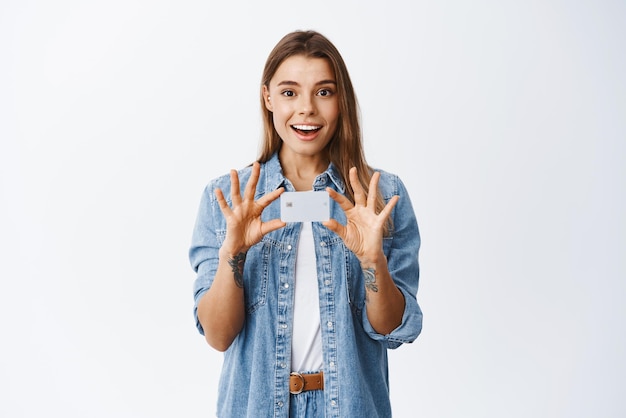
<point x="306" y="346"/>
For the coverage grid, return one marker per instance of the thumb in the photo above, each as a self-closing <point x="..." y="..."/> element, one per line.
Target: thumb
<point x="335" y="226"/>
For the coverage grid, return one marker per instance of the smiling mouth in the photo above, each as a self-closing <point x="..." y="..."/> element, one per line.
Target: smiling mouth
<point x="306" y="129"/>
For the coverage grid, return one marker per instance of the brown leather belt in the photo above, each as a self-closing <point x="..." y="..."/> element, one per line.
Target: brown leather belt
<point x="299" y="382"/>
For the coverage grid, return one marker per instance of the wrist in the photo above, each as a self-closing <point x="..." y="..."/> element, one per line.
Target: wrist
<point x="372" y="261"/>
<point x="231" y="251"/>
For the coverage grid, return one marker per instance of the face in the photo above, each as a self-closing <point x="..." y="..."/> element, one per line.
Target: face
<point x="302" y="97"/>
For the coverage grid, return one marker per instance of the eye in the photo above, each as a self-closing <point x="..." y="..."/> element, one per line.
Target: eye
<point x="325" y="92"/>
<point x="288" y="93"/>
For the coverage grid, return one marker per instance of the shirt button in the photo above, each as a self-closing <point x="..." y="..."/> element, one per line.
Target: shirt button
<point x="280" y="404"/>
<point x="286" y="285"/>
<point x="283" y="365"/>
<point x="322" y="244"/>
<point x="332" y="364"/>
<point x="289" y="247"/>
<point x="327" y="282"/>
<point x="333" y="402"/>
<point x="283" y="326"/>
<point x="329" y="324"/>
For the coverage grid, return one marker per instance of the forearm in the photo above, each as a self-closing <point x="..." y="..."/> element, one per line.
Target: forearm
<point x="384" y="301"/>
<point x="221" y="310"/>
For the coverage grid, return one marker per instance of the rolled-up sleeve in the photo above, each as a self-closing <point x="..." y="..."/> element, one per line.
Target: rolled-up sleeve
<point x="204" y="249"/>
<point x="402" y="261"/>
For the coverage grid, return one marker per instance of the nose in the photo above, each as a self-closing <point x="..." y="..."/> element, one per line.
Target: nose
<point x="307" y="105"/>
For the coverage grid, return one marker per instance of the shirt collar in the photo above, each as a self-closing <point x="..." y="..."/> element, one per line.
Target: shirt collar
<point x="335" y="177"/>
<point x="274" y="175"/>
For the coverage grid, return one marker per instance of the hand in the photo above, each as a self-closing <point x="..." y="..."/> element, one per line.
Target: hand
<point x="244" y="227"/>
<point x="363" y="232"/>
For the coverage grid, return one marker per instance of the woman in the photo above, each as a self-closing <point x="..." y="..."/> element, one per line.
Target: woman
<point x="305" y="311"/>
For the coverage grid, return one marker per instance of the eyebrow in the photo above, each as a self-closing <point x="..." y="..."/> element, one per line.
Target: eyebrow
<point x="294" y="83"/>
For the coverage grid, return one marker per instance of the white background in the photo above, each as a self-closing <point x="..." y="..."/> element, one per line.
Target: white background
<point x="505" y="119"/>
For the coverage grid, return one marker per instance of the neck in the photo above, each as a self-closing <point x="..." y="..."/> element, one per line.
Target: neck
<point x="302" y="170"/>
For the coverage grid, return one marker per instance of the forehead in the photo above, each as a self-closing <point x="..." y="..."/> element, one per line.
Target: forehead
<point x="303" y="70"/>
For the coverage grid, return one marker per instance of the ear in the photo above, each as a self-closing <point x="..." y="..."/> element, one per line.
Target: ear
<point x="266" y="99"/>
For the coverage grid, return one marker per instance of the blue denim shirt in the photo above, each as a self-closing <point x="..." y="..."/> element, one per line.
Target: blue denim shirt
<point x="255" y="373"/>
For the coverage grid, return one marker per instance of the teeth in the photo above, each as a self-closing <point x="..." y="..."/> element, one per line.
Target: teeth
<point x="306" y="127"/>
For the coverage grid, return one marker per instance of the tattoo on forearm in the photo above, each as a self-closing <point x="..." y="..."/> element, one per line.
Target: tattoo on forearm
<point x="236" y="264"/>
<point x="370" y="279"/>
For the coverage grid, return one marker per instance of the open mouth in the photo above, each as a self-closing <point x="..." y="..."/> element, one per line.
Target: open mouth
<point x="306" y="129"/>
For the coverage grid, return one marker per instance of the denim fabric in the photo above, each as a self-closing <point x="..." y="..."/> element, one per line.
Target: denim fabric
<point x="307" y="405"/>
<point x="255" y="373"/>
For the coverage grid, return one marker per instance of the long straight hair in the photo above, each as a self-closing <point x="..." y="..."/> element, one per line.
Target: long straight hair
<point x="345" y="149"/>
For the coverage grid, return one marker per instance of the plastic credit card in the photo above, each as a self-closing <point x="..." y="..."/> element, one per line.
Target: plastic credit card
<point x="304" y="206"/>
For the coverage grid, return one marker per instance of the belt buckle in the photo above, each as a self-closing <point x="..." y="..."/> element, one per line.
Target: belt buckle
<point x="299" y="376"/>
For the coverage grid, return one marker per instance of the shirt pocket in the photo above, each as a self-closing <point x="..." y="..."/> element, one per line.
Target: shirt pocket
<point x="255" y="276"/>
